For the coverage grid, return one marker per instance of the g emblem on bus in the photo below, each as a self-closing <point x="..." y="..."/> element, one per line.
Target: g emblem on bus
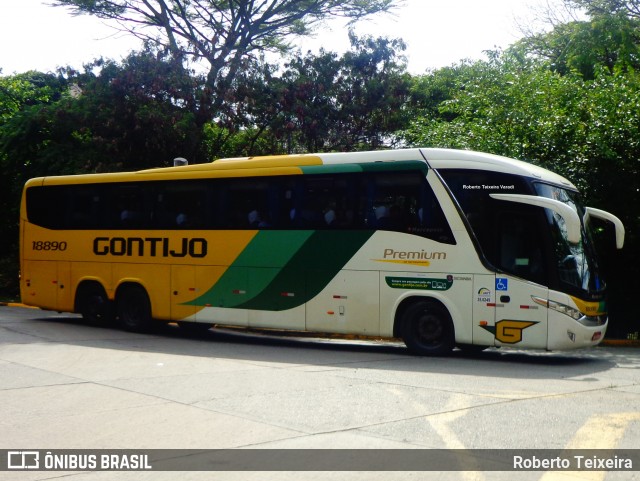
<point x="507" y="331"/>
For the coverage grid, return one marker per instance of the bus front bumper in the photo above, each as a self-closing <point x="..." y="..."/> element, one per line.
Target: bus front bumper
<point x="567" y="333"/>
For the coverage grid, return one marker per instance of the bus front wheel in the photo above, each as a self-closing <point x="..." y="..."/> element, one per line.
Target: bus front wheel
<point x="427" y="329"/>
<point x="134" y="309"/>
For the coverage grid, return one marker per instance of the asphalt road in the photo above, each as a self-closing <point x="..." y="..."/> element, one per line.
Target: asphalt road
<point x="67" y="385"/>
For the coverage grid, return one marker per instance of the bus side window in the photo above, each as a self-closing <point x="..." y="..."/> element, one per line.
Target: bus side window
<point x="405" y="202"/>
<point x="246" y="204"/>
<point x="432" y="222"/>
<point x="393" y="200"/>
<point x="180" y="206"/>
<point x="85" y="207"/>
<point x="325" y="202"/>
<point x="128" y="207"/>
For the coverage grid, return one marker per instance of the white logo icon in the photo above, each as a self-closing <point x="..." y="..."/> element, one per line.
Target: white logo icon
<point x="23" y="460"/>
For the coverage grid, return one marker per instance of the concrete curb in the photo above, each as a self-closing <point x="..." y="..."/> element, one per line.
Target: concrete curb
<point x="621" y="342"/>
<point x="17" y="304"/>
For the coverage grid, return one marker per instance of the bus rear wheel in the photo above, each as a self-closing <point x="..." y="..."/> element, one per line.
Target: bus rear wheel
<point x="93" y="303"/>
<point x="134" y="309"/>
<point x="427" y="329"/>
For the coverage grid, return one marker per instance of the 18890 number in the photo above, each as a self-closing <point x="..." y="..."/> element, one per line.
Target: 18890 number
<point x="49" y="246"/>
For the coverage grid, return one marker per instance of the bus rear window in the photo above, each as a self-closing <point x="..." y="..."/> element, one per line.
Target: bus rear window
<point x="43" y="206"/>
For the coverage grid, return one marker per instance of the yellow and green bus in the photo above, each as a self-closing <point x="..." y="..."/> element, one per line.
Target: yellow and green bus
<point x="439" y="247"/>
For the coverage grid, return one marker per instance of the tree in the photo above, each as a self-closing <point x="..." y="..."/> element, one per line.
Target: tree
<point x="374" y="93"/>
<point x="127" y="116"/>
<point x="608" y="37"/>
<point x="630" y="8"/>
<point x="28" y="91"/>
<point x="322" y="102"/>
<point x="222" y="32"/>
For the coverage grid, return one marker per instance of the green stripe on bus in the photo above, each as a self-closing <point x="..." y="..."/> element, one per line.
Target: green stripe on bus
<point x="254" y="269"/>
<point x="401" y="165"/>
<point x="272" y="248"/>
<point x="310" y="270"/>
<point x="281" y="270"/>
<point x="331" y="169"/>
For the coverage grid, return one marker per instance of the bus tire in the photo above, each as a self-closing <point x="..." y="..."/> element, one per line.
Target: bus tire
<point x="427" y="329"/>
<point x="133" y="308"/>
<point x="94" y="305"/>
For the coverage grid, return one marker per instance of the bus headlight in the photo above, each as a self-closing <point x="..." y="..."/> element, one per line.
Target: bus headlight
<point x="572" y="312"/>
<point x="562" y="308"/>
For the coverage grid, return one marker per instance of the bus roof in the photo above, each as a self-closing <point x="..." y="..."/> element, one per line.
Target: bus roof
<point x="436" y="158"/>
<point x="468" y="159"/>
<point x="301" y="163"/>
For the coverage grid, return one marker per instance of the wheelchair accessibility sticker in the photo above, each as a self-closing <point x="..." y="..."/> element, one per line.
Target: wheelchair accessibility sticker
<point x="502" y="284"/>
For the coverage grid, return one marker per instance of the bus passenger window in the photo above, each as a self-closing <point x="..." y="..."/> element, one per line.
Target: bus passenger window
<point x="326" y="202"/>
<point x="404" y="202"/>
<point x="85" y="208"/>
<point x="180" y="206"/>
<point x="129" y="205"/>
<point x="245" y="204"/>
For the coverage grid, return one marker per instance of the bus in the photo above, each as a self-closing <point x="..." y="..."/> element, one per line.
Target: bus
<point x="440" y="248"/>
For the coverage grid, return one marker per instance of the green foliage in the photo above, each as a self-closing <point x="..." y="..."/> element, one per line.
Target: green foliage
<point x="630" y="8"/>
<point x="26" y="89"/>
<point x="127" y="116"/>
<point x="321" y="102"/>
<point x="609" y="41"/>
<point x="375" y="90"/>
<point x="20" y="95"/>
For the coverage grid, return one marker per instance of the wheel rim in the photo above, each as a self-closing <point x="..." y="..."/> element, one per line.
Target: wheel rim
<point x="133" y="311"/>
<point x="429" y="329"/>
<point x="95" y="307"/>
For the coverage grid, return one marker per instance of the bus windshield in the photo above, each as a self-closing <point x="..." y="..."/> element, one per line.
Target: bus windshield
<point x="523" y="240"/>
<point x="576" y="264"/>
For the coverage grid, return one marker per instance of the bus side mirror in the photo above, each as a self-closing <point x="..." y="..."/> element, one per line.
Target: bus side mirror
<point x="601" y="214"/>
<point x="570" y="216"/>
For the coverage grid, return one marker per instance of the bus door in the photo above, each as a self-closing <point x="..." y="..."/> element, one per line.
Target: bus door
<point x="504" y="313"/>
<point x="519" y="320"/>
<point x="520" y="255"/>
